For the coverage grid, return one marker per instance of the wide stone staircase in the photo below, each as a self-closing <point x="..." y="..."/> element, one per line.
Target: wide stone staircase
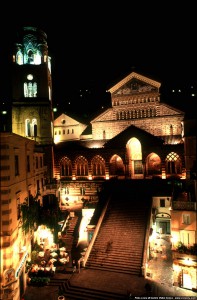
<point x="119" y="246"/>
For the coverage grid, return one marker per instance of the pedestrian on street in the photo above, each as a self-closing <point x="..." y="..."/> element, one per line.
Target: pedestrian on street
<point x="74" y="266"/>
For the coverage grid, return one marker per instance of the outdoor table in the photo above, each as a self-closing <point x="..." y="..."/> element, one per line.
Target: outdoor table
<point x="62" y="249"/>
<point x="41" y="254"/>
<point x="64" y="254"/>
<point x="63" y="260"/>
<point x="53" y="254"/>
<point x="52" y="260"/>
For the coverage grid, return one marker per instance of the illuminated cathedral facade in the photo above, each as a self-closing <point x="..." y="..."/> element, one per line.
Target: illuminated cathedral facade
<point x="138" y="137"/>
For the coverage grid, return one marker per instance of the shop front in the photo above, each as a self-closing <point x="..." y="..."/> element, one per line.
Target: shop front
<point x="185" y="271"/>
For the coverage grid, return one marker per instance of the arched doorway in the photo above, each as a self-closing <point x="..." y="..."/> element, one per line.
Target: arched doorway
<point x="134" y="152"/>
<point x="153" y="165"/>
<point x="116" y="166"/>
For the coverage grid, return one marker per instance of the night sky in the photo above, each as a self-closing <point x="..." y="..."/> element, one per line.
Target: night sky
<point x="93" y="46"/>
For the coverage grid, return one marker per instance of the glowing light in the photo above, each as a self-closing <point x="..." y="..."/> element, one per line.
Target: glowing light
<point x="95" y="145"/>
<point x="57" y="139"/>
<point x="187" y="261"/>
<point x="174" y="240"/>
<point x="163" y="176"/>
<point x="29" y="76"/>
<point x="43" y="233"/>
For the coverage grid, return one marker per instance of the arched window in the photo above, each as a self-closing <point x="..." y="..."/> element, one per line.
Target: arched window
<point x="98" y="166"/>
<point x="34" y="127"/>
<point x="30" y="89"/>
<point x="66" y="167"/>
<point x="81" y="166"/>
<point x="19" y="58"/>
<point x="173" y="163"/>
<point x="30" y="55"/>
<point x="27" y="127"/>
<point x="31" y="129"/>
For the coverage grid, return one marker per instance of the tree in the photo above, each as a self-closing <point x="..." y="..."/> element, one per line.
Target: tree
<point x="30" y="214"/>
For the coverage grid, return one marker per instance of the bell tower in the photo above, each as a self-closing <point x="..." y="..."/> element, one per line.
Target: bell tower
<point x="32" y="113"/>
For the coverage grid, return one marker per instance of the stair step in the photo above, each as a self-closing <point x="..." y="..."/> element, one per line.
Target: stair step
<point x="88" y="293"/>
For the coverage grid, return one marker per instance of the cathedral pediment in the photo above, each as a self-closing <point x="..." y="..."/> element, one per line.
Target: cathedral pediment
<point x="135" y="83"/>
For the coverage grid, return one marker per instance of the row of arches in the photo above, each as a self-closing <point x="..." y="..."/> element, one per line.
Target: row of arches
<point x="117" y="166"/>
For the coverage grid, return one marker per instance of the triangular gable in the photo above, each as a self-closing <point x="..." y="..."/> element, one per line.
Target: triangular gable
<point x="65" y="120"/>
<point x="135" y="83"/>
<point x="106" y="115"/>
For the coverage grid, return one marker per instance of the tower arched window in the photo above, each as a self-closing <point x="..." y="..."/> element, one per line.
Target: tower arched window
<point x="30" y="87"/>
<point x="30" y="55"/>
<point x="37" y="58"/>
<point x="34" y="127"/>
<point x="31" y="127"/>
<point x="27" y="127"/>
<point x="19" y="57"/>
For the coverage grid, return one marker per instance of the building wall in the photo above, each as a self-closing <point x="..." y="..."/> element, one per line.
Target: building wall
<point x="183" y="229"/>
<point x="156" y="126"/>
<point x="17" y="183"/>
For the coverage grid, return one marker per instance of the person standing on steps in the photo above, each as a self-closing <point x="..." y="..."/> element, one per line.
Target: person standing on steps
<point x="74" y="266"/>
